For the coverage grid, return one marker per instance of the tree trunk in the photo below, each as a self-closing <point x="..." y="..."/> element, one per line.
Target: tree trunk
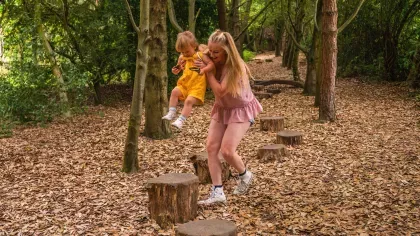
<point x="54" y="66"/>
<point x="234" y="24"/>
<point x="329" y="58"/>
<point x="131" y="163"/>
<point x="390" y="56"/>
<point x="278" y="33"/>
<point x="240" y="41"/>
<point x="191" y="16"/>
<point x="221" y="10"/>
<point x="286" y="51"/>
<point x="299" y="35"/>
<point x="414" y="76"/>
<point x="98" y="94"/>
<point x="312" y="57"/>
<point x="318" y="56"/>
<point x="157" y="78"/>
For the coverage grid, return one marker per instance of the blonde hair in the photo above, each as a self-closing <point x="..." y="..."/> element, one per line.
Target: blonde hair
<point x="185" y="39"/>
<point x="237" y="71"/>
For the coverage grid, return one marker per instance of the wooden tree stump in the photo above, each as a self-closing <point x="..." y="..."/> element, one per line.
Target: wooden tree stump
<point x="173" y="198"/>
<point x="273" y="124"/>
<point x="273" y="90"/>
<point x="272" y="152"/>
<point x="258" y="87"/>
<point x="201" y="167"/>
<point x="262" y="95"/>
<point x="213" y="227"/>
<point x="289" y="137"/>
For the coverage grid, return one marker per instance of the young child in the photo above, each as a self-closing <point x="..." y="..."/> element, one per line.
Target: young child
<point x="191" y="86"/>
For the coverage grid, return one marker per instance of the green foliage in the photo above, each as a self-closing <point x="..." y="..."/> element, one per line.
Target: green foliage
<point x="248" y="55"/>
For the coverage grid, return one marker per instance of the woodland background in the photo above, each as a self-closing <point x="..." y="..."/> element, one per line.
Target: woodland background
<point x="67" y="75"/>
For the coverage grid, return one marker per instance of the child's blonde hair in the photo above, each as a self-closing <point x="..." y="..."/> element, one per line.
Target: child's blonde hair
<point x="185" y="39"/>
<point x="237" y="71"/>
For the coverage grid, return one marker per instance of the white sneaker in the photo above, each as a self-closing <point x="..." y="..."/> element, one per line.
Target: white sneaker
<point x="178" y="123"/>
<point x="170" y="116"/>
<point x="243" y="183"/>
<point x="216" y="196"/>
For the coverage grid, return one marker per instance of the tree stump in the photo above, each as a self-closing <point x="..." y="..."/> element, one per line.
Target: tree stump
<point x="272" y="152"/>
<point x="273" y="124"/>
<point x="289" y="137"/>
<point x="258" y="87"/>
<point x="173" y="198"/>
<point x="201" y="167"/>
<point x="273" y="90"/>
<point x="262" y="95"/>
<point x="213" y="227"/>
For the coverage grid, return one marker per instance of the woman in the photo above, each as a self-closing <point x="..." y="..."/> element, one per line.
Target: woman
<point x="233" y="113"/>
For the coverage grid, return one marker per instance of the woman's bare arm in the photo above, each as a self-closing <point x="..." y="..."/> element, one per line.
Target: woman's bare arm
<point x="219" y="89"/>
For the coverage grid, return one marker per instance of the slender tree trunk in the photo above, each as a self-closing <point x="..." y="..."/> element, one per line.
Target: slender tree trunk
<point x="221" y="10"/>
<point x="290" y="55"/>
<point x="414" y="76"/>
<point x="131" y="163"/>
<point x="318" y="56"/>
<point x="157" y="78"/>
<point x="329" y="57"/>
<point x="299" y="35"/>
<point x="191" y="16"/>
<point x="312" y="57"/>
<point x="390" y="56"/>
<point x="240" y="41"/>
<point x="278" y="33"/>
<point x="54" y="65"/>
<point x="234" y="24"/>
<point x="286" y="51"/>
<point x="97" y="88"/>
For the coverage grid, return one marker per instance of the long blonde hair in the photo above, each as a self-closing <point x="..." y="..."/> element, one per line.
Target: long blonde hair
<point x="237" y="71"/>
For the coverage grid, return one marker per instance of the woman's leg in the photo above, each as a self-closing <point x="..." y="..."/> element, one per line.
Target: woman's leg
<point x="231" y="139"/>
<point x="214" y="140"/>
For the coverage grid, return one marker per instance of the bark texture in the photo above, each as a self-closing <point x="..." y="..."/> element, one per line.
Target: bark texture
<point x="273" y="124"/>
<point x="273" y="152"/>
<point x="289" y="137"/>
<point x="201" y="167"/>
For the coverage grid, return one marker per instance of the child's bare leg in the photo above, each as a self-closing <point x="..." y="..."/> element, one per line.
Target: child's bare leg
<point x="188" y="105"/>
<point x="175" y="94"/>
<point x="186" y="111"/>
<point x="173" y="101"/>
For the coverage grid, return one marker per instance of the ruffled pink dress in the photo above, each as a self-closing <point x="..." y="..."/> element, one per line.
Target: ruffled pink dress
<point x="229" y="109"/>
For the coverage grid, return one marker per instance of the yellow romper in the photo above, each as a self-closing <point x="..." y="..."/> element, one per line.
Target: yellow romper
<point x="191" y="82"/>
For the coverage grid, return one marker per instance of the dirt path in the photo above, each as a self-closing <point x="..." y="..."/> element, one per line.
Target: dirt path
<point x="359" y="175"/>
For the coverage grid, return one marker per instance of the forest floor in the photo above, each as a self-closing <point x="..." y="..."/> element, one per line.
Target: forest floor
<point x="357" y="176"/>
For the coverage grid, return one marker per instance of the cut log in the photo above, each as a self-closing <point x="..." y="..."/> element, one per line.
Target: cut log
<point x="273" y="124"/>
<point x="289" y="137"/>
<point x="212" y="227"/>
<point x="173" y="198"/>
<point x="262" y="95"/>
<point x="258" y="87"/>
<point x="201" y="167"/>
<point x="272" y="152"/>
<point x="273" y="90"/>
<point x="279" y="81"/>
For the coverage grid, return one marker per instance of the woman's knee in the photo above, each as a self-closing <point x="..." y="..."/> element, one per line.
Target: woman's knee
<point x="227" y="152"/>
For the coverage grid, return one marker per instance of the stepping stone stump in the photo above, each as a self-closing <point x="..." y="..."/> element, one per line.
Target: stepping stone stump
<point x="262" y="95"/>
<point x="213" y="227"/>
<point x="258" y="87"/>
<point x="201" y="167"/>
<point x="272" y="152"/>
<point x="173" y="198"/>
<point x="273" y="90"/>
<point x="273" y="124"/>
<point x="289" y="137"/>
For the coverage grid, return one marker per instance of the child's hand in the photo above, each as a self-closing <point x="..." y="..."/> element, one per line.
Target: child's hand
<point x="176" y="69"/>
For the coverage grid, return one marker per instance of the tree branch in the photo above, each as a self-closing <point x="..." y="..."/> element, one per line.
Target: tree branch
<point x="303" y="49"/>
<point x="254" y="19"/>
<point x="172" y="17"/>
<point x="407" y="17"/>
<point x="316" y="12"/>
<point x="342" y="27"/>
<point x="130" y="14"/>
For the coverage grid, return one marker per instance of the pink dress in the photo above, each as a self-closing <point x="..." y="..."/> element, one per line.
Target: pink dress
<point x="229" y="109"/>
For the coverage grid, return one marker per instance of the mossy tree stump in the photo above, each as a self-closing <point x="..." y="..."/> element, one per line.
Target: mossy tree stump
<point x="273" y="124"/>
<point x="201" y="167"/>
<point x="289" y="137"/>
<point x="213" y="227"/>
<point x="173" y="198"/>
<point x="272" y="152"/>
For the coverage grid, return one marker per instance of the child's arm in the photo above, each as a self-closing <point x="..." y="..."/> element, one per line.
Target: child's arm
<point x="209" y="65"/>
<point x="179" y="66"/>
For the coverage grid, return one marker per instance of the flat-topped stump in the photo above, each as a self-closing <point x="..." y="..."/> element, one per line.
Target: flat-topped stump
<point x="262" y="95"/>
<point x="289" y="137"/>
<point x="272" y="152"/>
<point x="258" y="87"/>
<point x="273" y="124"/>
<point x="173" y="198"/>
<point x="273" y="90"/>
<point x="213" y="227"/>
<point x="201" y="167"/>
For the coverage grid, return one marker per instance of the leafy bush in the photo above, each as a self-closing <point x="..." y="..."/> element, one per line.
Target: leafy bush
<point x="248" y="55"/>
